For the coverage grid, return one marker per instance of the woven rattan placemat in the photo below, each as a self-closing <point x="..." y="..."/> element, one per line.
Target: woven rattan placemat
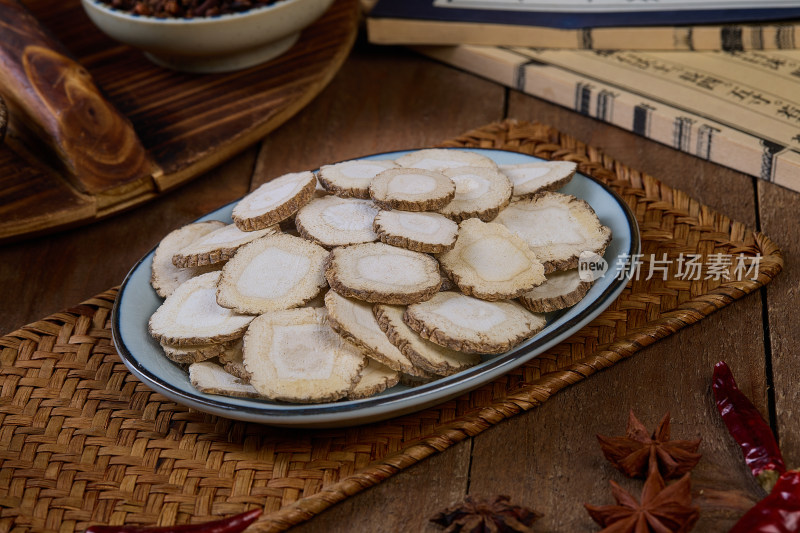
<point x="83" y="441"/>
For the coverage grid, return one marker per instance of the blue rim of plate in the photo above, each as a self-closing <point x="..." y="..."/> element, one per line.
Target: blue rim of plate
<point x="387" y="404"/>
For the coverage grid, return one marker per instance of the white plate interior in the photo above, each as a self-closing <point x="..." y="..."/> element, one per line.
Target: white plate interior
<point x="143" y="355"/>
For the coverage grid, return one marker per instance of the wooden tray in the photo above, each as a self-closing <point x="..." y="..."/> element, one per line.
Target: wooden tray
<point x="188" y="122"/>
<point x="82" y="441"/>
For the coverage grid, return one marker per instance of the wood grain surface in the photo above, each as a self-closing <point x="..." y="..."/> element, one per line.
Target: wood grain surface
<point x="3" y="119"/>
<point x="187" y="123"/>
<point x="547" y="458"/>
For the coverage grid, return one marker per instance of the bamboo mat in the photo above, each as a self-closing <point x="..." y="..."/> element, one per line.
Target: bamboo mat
<point x="84" y="442"/>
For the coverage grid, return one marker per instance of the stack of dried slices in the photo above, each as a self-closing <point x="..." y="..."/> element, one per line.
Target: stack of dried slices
<point x="432" y="259"/>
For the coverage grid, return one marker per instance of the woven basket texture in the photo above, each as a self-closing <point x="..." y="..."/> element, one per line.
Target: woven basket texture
<point x="84" y="442"/>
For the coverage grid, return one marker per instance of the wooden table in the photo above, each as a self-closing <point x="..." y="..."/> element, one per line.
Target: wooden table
<point x="548" y="458"/>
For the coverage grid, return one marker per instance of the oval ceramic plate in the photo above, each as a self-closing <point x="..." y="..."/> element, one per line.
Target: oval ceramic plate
<point x="143" y="356"/>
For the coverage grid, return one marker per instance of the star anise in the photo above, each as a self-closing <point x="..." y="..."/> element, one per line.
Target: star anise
<point x="633" y="453"/>
<point x="483" y="516"/>
<point x="662" y="509"/>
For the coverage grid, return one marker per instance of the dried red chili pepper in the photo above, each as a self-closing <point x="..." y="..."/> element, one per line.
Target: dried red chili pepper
<point x="232" y="524"/>
<point x="748" y="428"/>
<point x="779" y="512"/>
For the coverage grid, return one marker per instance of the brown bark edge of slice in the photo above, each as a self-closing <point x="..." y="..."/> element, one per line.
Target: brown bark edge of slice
<point x="408" y="205"/>
<point x="280" y="213"/>
<point x="193" y="354"/>
<point x="233" y="362"/>
<point x="485" y="215"/>
<point x="473" y="233"/>
<point x="373" y="295"/>
<point x="305" y="285"/>
<point x="429" y="370"/>
<point x="385" y="200"/>
<point x="161" y="324"/>
<point x="218" y="255"/>
<point x="460" y="345"/>
<point x="500" y="187"/>
<point x="210" y="378"/>
<point x="477" y="292"/>
<point x="343" y="191"/>
<point x="344" y="333"/>
<point x="550" y="187"/>
<point x="571" y="262"/>
<point x="261" y="354"/>
<point x="309" y="230"/>
<point x="409" y="243"/>
<point x="165" y="277"/>
<point x="192" y="341"/>
<point x="237" y="369"/>
<point x="442" y="338"/>
<point x="556" y="303"/>
<point x="380" y="378"/>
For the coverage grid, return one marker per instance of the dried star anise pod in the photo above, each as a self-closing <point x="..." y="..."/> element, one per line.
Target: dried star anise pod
<point x="662" y="509"/>
<point x="479" y="516"/>
<point x="633" y="453"/>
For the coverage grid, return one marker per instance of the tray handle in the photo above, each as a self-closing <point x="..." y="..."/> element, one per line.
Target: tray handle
<point x="57" y="113"/>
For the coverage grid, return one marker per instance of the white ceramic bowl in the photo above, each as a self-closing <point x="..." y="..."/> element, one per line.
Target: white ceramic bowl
<point x="210" y="44"/>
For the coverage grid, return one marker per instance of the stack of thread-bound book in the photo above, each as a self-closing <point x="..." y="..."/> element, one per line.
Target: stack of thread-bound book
<point x="719" y="79"/>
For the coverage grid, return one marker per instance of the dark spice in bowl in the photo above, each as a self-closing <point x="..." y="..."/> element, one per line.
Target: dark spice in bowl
<point x="185" y="8"/>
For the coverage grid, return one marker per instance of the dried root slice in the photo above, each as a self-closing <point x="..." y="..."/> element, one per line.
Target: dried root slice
<point x="480" y="192"/>
<point x="411" y="189"/>
<point x="351" y="179"/>
<point x="442" y="158"/>
<point x="274" y="201"/>
<point x="375" y="378"/>
<point x="491" y="263"/>
<point x="561" y="290"/>
<point x="421" y="232"/>
<point x="192" y="353"/>
<point x="191" y="315"/>
<point x="381" y="273"/>
<point x="295" y="356"/>
<point x="333" y="221"/>
<point x="425" y="355"/>
<point x="557" y="227"/>
<point x="217" y="246"/>
<point x="273" y="273"/>
<point x="232" y="360"/>
<point x="355" y="322"/>
<point x="470" y="325"/>
<point x="532" y="178"/>
<point x="166" y="277"/>
<point x="210" y="378"/>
